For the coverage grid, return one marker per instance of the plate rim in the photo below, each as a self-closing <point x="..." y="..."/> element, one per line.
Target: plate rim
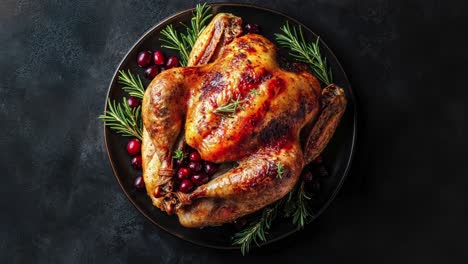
<point x="350" y="93"/>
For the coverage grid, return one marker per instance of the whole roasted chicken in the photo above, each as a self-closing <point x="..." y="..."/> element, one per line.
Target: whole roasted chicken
<point x="278" y="122"/>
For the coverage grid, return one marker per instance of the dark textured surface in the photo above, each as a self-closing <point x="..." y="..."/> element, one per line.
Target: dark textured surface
<point x="405" y="200"/>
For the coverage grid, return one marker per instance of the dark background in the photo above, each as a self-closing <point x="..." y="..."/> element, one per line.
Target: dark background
<point x="405" y="200"/>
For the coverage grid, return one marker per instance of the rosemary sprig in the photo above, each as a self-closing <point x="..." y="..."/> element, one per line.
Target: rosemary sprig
<point x="231" y="107"/>
<point x="280" y="170"/>
<point x="294" y="205"/>
<point x="257" y="230"/>
<point x="297" y="206"/>
<point x="181" y="42"/>
<point x="254" y="92"/>
<point x="197" y="23"/>
<point x="132" y="84"/>
<point x="175" y="41"/>
<point x="123" y="119"/>
<point x="305" y="52"/>
<point x="179" y="154"/>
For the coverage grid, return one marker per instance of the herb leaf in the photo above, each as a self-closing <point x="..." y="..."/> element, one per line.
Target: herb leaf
<point x="254" y="92"/>
<point x="176" y="41"/>
<point x="231" y="107"/>
<point x="181" y="42"/>
<point x="179" y="154"/>
<point x="257" y="230"/>
<point x="132" y="84"/>
<point x="305" y="52"/>
<point x="123" y="119"/>
<point x="280" y="170"/>
<point x="297" y="206"/>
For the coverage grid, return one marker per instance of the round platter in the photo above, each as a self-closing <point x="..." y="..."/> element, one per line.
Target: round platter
<point x="337" y="156"/>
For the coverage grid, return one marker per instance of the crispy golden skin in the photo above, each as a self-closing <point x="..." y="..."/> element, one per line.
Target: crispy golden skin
<point x="179" y="106"/>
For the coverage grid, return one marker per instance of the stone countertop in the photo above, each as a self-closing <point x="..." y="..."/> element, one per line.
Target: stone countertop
<point x="405" y="200"/>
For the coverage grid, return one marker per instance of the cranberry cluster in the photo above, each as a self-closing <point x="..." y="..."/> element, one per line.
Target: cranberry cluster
<point x="252" y="28"/>
<point x="134" y="150"/>
<point x="192" y="171"/>
<point x="145" y="59"/>
<point x="314" y="173"/>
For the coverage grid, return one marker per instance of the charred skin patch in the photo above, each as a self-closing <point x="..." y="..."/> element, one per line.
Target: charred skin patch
<point x="275" y="129"/>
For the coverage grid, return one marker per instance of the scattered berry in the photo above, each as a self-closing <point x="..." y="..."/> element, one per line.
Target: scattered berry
<point x="307" y="177"/>
<point x="144" y="58"/>
<point x="133" y="147"/>
<point x="195" y="166"/>
<point x="172" y="62"/>
<point x="322" y="172"/>
<point x="158" y="57"/>
<point x="133" y="102"/>
<point x="136" y="162"/>
<point x="194" y="156"/>
<point x="180" y="163"/>
<point x="157" y="192"/>
<point x="209" y="167"/>
<point x="139" y="183"/>
<point x="186" y="186"/>
<point x="315" y="186"/>
<point x="151" y="72"/>
<point x="199" y="178"/>
<point x="318" y="160"/>
<point x="183" y="173"/>
<point x="252" y="28"/>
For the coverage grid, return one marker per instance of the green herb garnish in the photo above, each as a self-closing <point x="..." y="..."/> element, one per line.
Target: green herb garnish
<point x="257" y="230"/>
<point x="231" y="107"/>
<point x="132" y="84"/>
<point x="254" y="92"/>
<point x="183" y="43"/>
<point x="179" y="154"/>
<point x="280" y="170"/>
<point x="305" y="52"/>
<point x="297" y="206"/>
<point x="123" y="119"/>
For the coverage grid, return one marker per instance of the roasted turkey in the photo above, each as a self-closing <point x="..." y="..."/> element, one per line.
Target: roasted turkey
<point x="283" y="117"/>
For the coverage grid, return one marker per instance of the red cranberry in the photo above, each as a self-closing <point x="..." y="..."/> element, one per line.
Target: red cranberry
<point x="199" y="178"/>
<point x="180" y="163"/>
<point x="240" y="223"/>
<point x="315" y="186"/>
<point x="183" y="173"/>
<point x="307" y="176"/>
<point x="317" y="161"/>
<point x="172" y="62"/>
<point x="144" y="58"/>
<point x="133" y="147"/>
<point x="136" y="162"/>
<point x="151" y="72"/>
<point x="209" y="167"/>
<point x="195" y="166"/>
<point x="133" y="102"/>
<point x="186" y="186"/>
<point x="139" y="183"/>
<point x="158" y="57"/>
<point x="194" y="156"/>
<point x="158" y="192"/>
<point x="252" y="28"/>
<point x="322" y="172"/>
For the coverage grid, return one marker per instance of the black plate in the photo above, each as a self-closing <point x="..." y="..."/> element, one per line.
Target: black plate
<point x="337" y="156"/>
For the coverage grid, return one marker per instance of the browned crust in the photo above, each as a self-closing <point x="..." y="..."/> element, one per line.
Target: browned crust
<point x="333" y="105"/>
<point x="222" y="31"/>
